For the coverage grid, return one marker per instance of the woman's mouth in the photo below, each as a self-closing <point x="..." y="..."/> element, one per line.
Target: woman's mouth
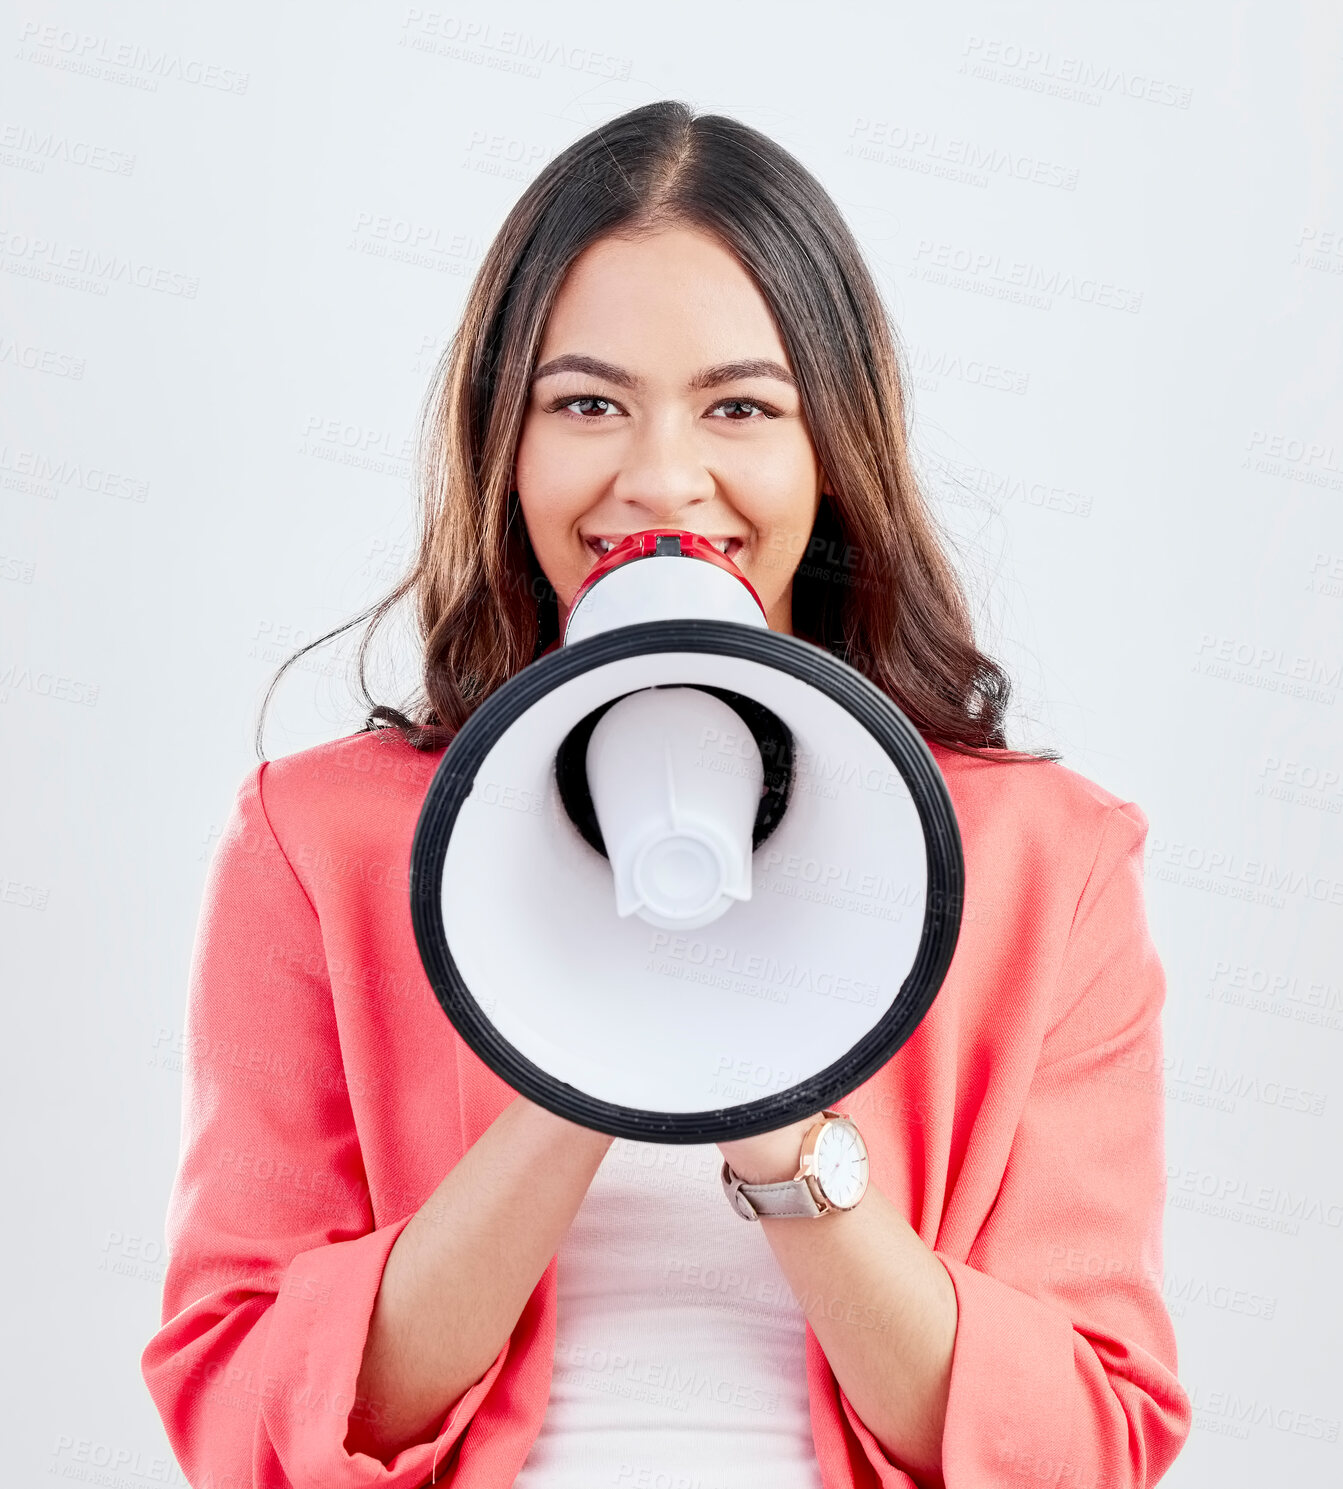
<point x="602" y="544"/>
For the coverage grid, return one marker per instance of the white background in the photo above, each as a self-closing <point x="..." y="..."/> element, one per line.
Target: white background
<point x="204" y="431"/>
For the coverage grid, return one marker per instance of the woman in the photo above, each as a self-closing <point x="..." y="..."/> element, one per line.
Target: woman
<point x="672" y="328"/>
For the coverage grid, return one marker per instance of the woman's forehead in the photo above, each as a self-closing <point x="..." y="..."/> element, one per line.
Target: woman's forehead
<point x="674" y="295"/>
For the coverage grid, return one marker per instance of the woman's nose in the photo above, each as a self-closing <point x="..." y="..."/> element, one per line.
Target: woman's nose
<point x="663" y="474"/>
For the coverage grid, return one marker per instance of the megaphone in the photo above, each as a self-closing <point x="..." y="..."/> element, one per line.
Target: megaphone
<point x="685" y="879"/>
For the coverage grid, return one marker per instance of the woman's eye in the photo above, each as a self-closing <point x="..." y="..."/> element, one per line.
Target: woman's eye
<point x="742" y="403"/>
<point x="604" y="404"/>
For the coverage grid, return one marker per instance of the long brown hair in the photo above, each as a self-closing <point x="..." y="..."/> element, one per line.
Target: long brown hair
<point x="872" y="584"/>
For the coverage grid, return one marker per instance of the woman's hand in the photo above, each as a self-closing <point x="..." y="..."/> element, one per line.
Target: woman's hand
<point x="768" y="1157"/>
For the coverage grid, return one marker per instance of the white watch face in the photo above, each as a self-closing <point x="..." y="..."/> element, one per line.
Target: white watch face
<point x="841" y="1164"/>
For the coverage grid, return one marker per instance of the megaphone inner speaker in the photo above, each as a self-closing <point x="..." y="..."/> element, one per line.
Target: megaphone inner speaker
<point x="772" y="739"/>
<point x="785" y="1004"/>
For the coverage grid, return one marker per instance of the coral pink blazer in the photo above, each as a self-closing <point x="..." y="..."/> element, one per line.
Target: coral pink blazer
<point x="325" y="1096"/>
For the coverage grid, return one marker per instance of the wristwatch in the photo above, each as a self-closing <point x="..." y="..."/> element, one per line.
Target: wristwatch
<point x="831" y="1174"/>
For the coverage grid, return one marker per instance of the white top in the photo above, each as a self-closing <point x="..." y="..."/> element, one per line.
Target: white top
<point x="680" y="1350"/>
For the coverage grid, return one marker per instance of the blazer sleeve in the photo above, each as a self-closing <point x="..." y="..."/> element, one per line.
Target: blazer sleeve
<point x="1064" y="1366"/>
<point x="274" y="1259"/>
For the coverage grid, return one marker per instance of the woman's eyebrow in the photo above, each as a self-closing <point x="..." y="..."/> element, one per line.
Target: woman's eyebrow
<point x="731" y="372"/>
<point x="707" y="377"/>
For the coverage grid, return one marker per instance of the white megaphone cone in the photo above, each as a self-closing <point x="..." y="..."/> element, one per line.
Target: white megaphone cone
<point x="685" y="878"/>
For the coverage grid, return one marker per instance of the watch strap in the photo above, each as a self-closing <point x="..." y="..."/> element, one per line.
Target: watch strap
<point x="787" y="1197"/>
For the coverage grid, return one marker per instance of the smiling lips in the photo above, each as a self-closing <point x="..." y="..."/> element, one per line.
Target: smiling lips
<point x="728" y="547"/>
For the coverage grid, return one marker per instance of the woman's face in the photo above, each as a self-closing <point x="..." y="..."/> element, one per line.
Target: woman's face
<point x="663" y="398"/>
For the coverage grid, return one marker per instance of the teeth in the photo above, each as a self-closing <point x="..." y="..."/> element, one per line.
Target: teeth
<point x="605" y="545"/>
